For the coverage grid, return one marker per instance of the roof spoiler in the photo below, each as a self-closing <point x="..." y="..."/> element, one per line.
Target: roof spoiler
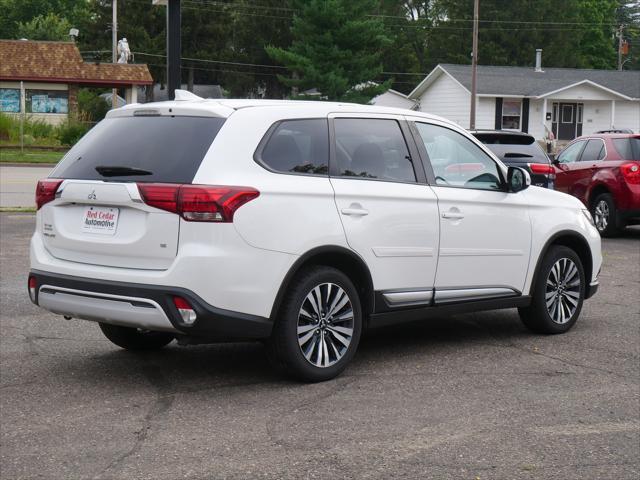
<point x="185" y="95"/>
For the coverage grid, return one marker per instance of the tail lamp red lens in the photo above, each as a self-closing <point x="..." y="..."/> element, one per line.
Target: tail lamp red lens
<point x="46" y="191"/>
<point x="197" y="203"/>
<point x="631" y="172"/>
<point x="541" y="168"/>
<point x="185" y="310"/>
<point x="32" y="284"/>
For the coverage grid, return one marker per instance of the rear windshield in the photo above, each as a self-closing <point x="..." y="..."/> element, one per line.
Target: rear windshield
<point x="514" y="148"/>
<point x="142" y="149"/>
<point x="628" y="148"/>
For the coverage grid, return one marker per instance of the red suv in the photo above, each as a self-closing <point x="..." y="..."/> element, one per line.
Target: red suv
<point x="603" y="171"/>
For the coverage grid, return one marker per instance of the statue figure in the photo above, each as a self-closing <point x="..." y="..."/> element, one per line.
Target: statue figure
<point x="124" y="53"/>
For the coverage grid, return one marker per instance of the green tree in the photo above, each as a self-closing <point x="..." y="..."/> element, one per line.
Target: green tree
<point x="13" y="13"/>
<point x="45" y="27"/>
<point x="336" y="47"/>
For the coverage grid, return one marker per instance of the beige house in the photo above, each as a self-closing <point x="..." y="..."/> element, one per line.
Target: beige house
<point x="42" y="79"/>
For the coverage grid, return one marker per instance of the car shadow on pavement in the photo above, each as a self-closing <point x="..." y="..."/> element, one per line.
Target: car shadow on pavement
<point x="178" y="369"/>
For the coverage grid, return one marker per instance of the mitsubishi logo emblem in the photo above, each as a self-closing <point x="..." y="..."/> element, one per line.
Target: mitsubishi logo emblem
<point x="92" y="195"/>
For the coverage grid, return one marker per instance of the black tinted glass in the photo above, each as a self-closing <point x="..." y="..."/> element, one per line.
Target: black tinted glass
<point x="163" y="149"/>
<point x="372" y="148"/>
<point x="504" y="139"/>
<point x="518" y="153"/>
<point x="593" y="151"/>
<point x="628" y="148"/>
<point x="298" y="146"/>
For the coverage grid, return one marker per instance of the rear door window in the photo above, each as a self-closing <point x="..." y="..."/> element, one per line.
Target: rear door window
<point x="593" y="152"/>
<point x="164" y="149"/>
<point x="572" y="152"/>
<point x="372" y="148"/>
<point x="297" y="146"/>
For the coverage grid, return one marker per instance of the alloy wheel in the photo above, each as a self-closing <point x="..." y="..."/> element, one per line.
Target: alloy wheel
<point x="325" y="325"/>
<point x="601" y="215"/>
<point x="562" y="294"/>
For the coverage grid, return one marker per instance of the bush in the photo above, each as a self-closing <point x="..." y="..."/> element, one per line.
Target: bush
<point x="92" y="105"/>
<point x="6" y="127"/>
<point x="70" y="132"/>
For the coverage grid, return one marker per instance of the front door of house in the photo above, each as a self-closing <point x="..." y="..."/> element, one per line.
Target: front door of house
<point x="566" y="120"/>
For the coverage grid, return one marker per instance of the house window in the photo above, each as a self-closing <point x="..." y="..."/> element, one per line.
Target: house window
<point x="579" y="114"/>
<point x="511" y="114"/>
<point x="10" y="100"/>
<point x="554" y="117"/>
<point x="47" y="101"/>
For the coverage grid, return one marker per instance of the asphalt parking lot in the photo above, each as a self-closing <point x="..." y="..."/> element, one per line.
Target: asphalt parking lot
<point x="468" y="396"/>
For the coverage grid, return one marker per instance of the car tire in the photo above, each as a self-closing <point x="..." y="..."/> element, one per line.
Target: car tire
<point x="605" y="215"/>
<point x="316" y="333"/>
<point x="558" y="293"/>
<point x="135" y="339"/>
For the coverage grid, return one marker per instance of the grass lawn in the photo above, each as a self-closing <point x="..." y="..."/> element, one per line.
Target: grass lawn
<point x="30" y="156"/>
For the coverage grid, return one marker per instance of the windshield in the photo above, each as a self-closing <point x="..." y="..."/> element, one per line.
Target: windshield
<point x="164" y="149"/>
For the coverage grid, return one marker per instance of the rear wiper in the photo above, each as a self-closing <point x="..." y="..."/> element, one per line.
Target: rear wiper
<point x="517" y="155"/>
<point x="115" y="171"/>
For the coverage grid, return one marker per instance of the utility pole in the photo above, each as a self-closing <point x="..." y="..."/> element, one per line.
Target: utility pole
<point x="114" y="46"/>
<point x="620" y="31"/>
<point x="173" y="48"/>
<point x="474" y="65"/>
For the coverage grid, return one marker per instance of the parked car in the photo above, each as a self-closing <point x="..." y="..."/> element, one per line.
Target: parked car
<point x="299" y="224"/>
<point x="517" y="149"/>
<point x="603" y="171"/>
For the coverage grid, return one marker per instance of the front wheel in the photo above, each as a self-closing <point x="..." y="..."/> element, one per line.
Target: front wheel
<point x="318" y="327"/>
<point x="558" y="293"/>
<point x="135" y="339"/>
<point x="605" y="215"/>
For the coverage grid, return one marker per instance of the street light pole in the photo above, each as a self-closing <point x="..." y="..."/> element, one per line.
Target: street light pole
<point x="114" y="46"/>
<point x="474" y="65"/>
<point x="173" y="47"/>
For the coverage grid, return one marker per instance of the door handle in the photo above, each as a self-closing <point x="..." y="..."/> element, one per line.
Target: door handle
<point x="357" y="212"/>
<point x="453" y="215"/>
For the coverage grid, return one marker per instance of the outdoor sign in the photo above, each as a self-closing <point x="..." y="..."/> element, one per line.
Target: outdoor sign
<point x="9" y="100"/>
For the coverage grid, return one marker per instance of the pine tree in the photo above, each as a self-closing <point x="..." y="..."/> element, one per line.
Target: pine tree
<point x="336" y="48"/>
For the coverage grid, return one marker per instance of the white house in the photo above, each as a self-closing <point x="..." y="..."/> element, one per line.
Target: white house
<point x="392" y="98"/>
<point x="567" y="102"/>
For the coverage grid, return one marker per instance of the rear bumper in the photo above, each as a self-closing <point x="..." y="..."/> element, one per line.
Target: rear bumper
<point x="149" y="307"/>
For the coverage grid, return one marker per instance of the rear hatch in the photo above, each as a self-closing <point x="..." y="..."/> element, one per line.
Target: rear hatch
<point x="98" y="216"/>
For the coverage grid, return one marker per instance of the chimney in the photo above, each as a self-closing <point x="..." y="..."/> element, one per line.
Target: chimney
<point x="538" y="60"/>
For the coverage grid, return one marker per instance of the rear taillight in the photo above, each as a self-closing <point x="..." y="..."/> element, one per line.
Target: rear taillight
<point x="32" y="285"/>
<point x="46" y="191"/>
<point x="186" y="311"/>
<point x="631" y="172"/>
<point x="541" y="168"/>
<point x="197" y="203"/>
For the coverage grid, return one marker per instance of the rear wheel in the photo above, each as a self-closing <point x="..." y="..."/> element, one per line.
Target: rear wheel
<point x="135" y="339"/>
<point x="605" y="215"/>
<point x="558" y="293"/>
<point x="318" y="328"/>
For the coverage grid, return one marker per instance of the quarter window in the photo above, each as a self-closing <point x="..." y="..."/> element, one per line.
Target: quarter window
<point x="511" y="113"/>
<point x="298" y="146"/>
<point x="457" y="161"/>
<point x="373" y="149"/>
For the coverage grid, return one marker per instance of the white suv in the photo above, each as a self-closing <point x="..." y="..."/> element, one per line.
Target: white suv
<point x="300" y="224"/>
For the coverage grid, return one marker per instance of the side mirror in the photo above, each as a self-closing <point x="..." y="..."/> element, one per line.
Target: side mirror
<point x="517" y="179"/>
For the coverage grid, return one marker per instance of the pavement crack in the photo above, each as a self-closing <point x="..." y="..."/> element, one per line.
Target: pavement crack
<point x="160" y="405"/>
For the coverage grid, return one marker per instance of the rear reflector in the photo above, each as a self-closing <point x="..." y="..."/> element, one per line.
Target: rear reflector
<point x="33" y="285"/>
<point x="197" y="203"/>
<point x="185" y="310"/>
<point x="541" y="168"/>
<point x="46" y="191"/>
<point x="631" y="172"/>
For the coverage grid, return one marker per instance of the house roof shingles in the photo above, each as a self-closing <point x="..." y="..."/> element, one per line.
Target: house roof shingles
<point x="61" y="62"/>
<point x="525" y="81"/>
